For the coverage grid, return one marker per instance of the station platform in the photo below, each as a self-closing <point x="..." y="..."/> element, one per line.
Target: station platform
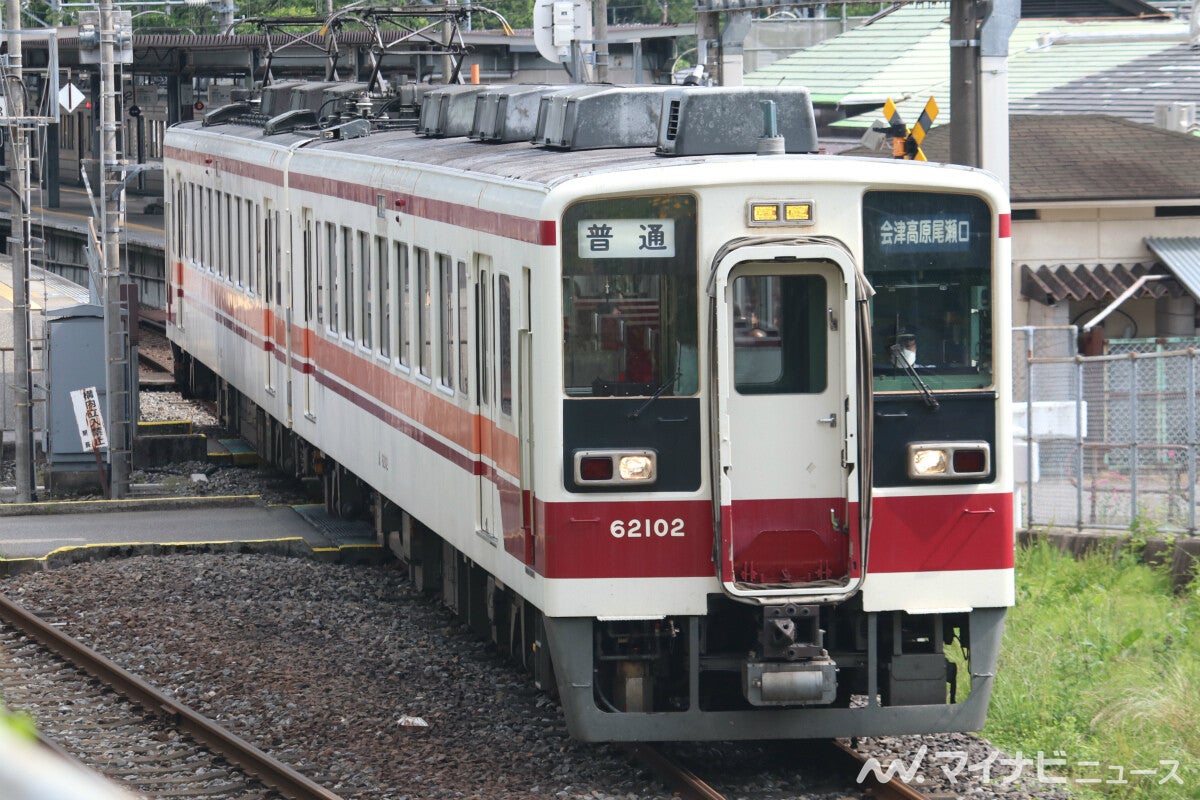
<point x="36" y="536"/>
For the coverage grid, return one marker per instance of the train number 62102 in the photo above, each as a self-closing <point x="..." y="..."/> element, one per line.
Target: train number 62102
<point x="639" y="528"/>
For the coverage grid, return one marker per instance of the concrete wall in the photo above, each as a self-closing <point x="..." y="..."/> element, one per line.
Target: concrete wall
<point x="1097" y="234"/>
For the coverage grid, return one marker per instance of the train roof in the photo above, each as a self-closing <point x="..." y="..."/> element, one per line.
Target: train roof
<point x="513" y="161"/>
<point x="541" y="135"/>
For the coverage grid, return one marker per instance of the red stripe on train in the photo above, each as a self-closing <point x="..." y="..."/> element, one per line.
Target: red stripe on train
<point x="941" y="533"/>
<point x="599" y="539"/>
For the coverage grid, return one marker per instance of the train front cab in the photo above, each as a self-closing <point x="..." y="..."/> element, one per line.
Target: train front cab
<point x="799" y="640"/>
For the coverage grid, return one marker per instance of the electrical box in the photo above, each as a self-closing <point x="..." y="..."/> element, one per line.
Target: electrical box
<point x="74" y="361"/>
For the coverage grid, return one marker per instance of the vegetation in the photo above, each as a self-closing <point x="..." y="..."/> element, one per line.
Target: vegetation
<point x="1101" y="663"/>
<point x="21" y="724"/>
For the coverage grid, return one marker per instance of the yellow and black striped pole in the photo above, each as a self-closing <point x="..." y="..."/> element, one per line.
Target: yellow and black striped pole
<point x="924" y="123"/>
<point x="896" y="128"/>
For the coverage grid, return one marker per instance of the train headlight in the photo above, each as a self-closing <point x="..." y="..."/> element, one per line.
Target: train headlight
<point x="949" y="460"/>
<point x="636" y="468"/>
<point x="615" y="467"/>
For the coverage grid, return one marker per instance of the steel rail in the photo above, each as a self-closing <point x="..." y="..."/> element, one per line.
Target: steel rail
<point x="270" y="771"/>
<point x="682" y="779"/>
<point x="881" y="789"/>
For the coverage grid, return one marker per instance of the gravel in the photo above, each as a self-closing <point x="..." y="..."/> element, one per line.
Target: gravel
<point x="327" y="666"/>
<point x="333" y="668"/>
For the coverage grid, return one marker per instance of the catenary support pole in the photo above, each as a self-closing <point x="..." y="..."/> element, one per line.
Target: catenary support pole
<point x="22" y="383"/>
<point x="112" y="203"/>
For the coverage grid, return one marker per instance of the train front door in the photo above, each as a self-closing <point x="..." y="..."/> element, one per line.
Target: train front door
<point x="784" y="447"/>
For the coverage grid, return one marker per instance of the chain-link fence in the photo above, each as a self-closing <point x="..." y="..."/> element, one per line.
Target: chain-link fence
<point x="1106" y="441"/>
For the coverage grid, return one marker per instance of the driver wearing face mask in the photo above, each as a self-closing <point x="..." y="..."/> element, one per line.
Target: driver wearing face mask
<point x="904" y="352"/>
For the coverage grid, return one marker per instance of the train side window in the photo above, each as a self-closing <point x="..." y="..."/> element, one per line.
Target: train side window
<point x="424" y="310"/>
<point x="446" y="318"/>
<point x="227" y="240"/>
<point x="485" y="333"/>
<point x="504" y="345"/>
<point x="319" y="269"/>
<point x="193" y="221"/>
<point x="210" y="221"/>
<point x="307" y="254"/>
<point x="463" y="320"/>
<point x="346" y="275"/>
<point x="209" y="231"/>
<point x="232" y="206"/>
<point x="383" y="275"/>
<point x="239" y="240"/>
<point x="331" y="274"/>
<point x="279" y="231"/>
<point x="223" y="244"/>
<point x="405" y="309"/>
<point x="366" y="294"/>
<point x="178" y="221"/>
<point x="256" y="233"/>
<point x="268" y="255"/>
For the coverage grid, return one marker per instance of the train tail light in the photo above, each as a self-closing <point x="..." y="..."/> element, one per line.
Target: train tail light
<point x="596" y="468"/>
<point x="615" y="467"/>
<point x="949" y="460"/>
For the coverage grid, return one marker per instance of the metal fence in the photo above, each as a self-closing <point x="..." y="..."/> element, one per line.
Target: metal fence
<point x="8" y="406"/>
<point x="1106" y="441"/>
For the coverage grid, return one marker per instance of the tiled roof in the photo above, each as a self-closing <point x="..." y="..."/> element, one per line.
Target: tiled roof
<point x="1130" y="90"/>
<point x="1098" y="157"/>
<point x="905" y="55"/>
<point x="1059" y="157"/>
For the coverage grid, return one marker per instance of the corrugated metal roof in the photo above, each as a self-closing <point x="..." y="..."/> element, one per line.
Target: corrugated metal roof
<point x="1052" y="283"/>
<point x="904" y="55"/>
<point x="1182" y="255"/>
<point x="840" y="67"/>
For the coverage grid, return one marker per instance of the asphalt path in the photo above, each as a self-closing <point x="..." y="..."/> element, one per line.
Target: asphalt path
<point x="38" y="535"/>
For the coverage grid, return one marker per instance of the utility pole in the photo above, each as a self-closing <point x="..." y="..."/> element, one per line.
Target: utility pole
<point x="14" y="93"/>
<point x="964" y="82"/>
<point x="112" y="204"/>
<point x="600" y="24"/>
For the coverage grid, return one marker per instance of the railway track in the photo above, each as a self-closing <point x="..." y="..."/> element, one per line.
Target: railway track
<point x="839" y="758"/>
<point x="155" y="369"/>
<point x="126" y="729"/>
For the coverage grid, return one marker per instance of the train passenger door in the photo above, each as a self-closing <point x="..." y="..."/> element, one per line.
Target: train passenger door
<point x="784" y="421"/>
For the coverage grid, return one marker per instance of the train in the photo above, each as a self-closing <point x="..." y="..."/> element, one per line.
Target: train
<point x="708" y="430"/>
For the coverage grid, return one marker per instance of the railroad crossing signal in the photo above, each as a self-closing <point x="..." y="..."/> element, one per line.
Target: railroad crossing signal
<point x="906" y="142"/>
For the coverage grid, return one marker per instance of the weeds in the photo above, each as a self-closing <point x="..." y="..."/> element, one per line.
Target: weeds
<point x="1101" y="668"/>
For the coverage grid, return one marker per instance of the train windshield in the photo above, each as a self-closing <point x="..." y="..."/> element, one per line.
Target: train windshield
<point x="929" y="257"/>
<point x="629" y="297"/>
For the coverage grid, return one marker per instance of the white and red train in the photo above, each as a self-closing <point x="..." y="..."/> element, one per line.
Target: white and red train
<point x="648" y="417"/>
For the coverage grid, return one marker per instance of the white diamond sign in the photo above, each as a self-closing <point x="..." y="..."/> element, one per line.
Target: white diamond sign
<point x="69" y="97"/>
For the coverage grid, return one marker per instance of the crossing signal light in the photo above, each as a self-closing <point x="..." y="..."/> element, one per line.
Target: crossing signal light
<point x="198" y="105"/>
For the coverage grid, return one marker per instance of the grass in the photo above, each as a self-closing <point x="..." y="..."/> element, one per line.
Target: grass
<point x="1101" y="663"/>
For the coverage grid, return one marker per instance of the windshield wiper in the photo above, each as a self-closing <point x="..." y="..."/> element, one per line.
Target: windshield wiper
<point x="926" y="393"/>
<point x="657" y="393"/>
